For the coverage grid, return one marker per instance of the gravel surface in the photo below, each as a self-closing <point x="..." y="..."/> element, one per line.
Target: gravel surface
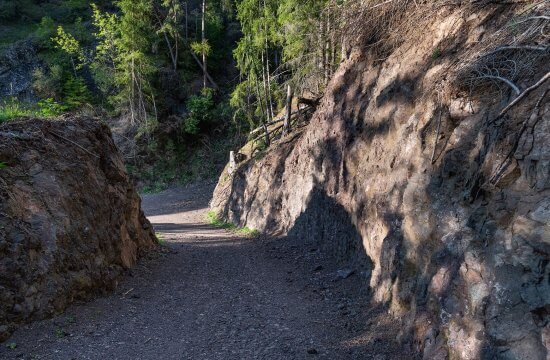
<point x="213" y="294"/>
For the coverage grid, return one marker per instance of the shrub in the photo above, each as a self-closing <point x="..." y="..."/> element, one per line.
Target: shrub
<point x="12" y="109"/>
<point x="200" y="111"/>
<point x="75" y="93"/>
<point x="50" y="108"/>
<point x="45" y="31"/>
<point x="48" y="84"/>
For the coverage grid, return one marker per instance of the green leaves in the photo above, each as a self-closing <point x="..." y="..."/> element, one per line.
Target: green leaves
<point x="201" y="48"/>
<point x="106" y="33"/>
<point x="76" y="93"/>
<point x="201" y="110"/>
<point x="67" y="42"/>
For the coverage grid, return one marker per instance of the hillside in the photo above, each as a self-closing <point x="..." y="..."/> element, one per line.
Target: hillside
<point x="75" y="57"/>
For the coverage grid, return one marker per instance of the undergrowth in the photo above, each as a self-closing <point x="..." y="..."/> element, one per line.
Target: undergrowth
<point x="213" y="219"/>
<point x="174" y="164"/>
<point x="12" y="108"/>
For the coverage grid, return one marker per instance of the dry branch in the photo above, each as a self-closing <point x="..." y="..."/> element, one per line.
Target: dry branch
<point x="517" y="47"/>
<point x="74" y="143"/>
<point x="505" y="163"/>
<point x="522" y="95"/>
<point x="503" y="79"/>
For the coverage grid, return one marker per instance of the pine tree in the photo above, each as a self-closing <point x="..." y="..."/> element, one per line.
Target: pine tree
<point x="171" y="29"/>
<point x="134" y="61"/>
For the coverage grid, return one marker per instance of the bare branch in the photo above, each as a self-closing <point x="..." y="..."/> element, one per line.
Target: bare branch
<point x="516" y="47"/>
<point x="542" y="17"/>
<point x="508" y="82"/>
<point x="523" y="94"/>
<point x="505" y="163"/>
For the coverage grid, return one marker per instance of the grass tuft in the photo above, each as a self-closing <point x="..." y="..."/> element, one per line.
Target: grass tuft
<point x="160" y="239"/>
<point x="213" y="219"/>
<point x="12" y="108"/>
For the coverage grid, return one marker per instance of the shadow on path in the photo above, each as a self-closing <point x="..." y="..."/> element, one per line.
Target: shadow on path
<point x="210" y="294"/>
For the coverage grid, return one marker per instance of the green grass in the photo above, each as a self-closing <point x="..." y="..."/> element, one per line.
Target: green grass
<point x="172" y="163"/>
<point x="11" y="109"/>
<point x="11" y="345"/>
<point x="160" y="239"/>
<point x="213" y="219"/>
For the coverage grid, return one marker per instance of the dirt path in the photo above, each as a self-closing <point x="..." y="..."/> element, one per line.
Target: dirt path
<point x="214" y="295"/>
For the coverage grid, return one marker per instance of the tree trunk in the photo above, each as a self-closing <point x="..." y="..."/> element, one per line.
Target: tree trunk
<point x="186" y="24"/>
<point x="204" y="66"/>
<point x="249" y="112"/>
<point x="173" y="56"/>
<point x="327" y="50"/>
<point x="268" y="72"/>
<point x="286" y="125"/>
<point x="266" y="91"/>
<point x="264" y="124"/>
<point x="212" y="82"/>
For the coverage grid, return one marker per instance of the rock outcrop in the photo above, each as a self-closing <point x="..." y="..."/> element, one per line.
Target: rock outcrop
<point x="17" y="63"/>
<point x="449" y="201"/>
<point x="70" y="219"/>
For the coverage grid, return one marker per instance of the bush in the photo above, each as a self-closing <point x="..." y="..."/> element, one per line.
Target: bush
<point x="50" y="108"/>
<point x="75" y="93"/>
<point x="200" y="111"/>
<point x="45" y="31"/>
<point x="48" y="85"/>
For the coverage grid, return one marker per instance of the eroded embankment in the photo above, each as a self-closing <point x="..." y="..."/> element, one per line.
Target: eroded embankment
<point x="70" y="219"/>
<point x="449" y="201"/>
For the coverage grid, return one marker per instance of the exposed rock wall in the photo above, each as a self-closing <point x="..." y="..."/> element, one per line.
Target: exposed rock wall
<point x="70" y="219"/>
<point x="463" y="260"/>
<point x="16" y="66"/>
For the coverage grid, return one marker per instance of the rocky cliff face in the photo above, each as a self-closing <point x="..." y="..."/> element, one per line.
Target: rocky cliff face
<point x="446" y="202"/>
<point x="16" y="66"/>
<point x="70" y="219"/>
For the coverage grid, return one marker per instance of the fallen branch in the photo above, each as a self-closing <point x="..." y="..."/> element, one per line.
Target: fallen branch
<point x="75" y="144"/>
<point x="127" y="292"/>
<point x="505" y="163"/>
<point x="212" y="82"/>
<point x="516" y="47"/>
<point x="274" y="122"/>
<point x="378" y="5"/>
<point x="508" y="82"/>
<point x="542" y="17"/>
<point x="521" y="96"/>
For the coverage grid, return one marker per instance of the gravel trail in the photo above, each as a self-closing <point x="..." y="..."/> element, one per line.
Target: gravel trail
<point x="213" y="294"/>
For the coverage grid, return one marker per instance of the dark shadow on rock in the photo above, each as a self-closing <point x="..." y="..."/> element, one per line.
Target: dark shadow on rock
<point x="328" y="225"/>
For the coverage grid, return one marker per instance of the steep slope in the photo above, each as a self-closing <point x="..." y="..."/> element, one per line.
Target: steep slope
<point x="70" y="219"/>
<point x="449" y="201"/>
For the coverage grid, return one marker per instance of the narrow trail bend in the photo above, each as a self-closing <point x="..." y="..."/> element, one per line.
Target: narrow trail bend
<point x="211" y="294"/>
